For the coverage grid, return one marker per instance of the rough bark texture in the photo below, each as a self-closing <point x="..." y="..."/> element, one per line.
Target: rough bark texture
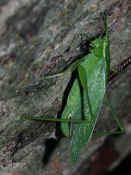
<point x="40" y="37"/>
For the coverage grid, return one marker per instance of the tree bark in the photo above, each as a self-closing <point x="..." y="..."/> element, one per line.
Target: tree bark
<point x="39" y="38"/>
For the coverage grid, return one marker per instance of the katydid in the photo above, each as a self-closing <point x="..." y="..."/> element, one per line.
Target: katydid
<point x="86" y="96"/>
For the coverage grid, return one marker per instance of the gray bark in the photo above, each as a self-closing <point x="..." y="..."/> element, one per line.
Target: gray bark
<point x="43" y="37"/>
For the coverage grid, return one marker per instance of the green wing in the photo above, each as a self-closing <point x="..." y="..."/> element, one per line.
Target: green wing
<point x="92" y="102"/>
<point x="73" y="107"/>
<point x="86" y="96"/>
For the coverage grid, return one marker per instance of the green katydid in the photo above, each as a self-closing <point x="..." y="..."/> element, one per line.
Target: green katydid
<point x="86" y="96"/>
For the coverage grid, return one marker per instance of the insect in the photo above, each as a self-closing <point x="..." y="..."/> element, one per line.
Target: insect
<point x="86" y="96"/>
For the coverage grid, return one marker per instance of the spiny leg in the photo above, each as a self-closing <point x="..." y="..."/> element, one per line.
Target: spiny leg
<point x="117" y="120"/>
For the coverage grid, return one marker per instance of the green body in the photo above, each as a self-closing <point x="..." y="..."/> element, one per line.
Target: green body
<point x="86" y="95"/>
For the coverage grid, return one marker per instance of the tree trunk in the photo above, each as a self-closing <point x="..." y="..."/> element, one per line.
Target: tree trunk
<point x="39" y="38"/>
